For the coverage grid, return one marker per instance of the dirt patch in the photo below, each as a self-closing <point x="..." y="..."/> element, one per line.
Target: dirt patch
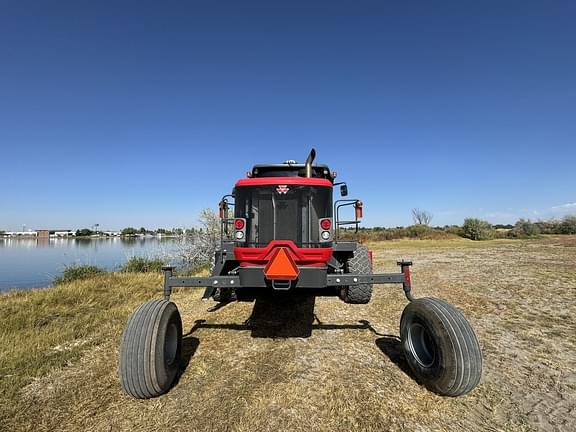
<point x="321" y="365"/>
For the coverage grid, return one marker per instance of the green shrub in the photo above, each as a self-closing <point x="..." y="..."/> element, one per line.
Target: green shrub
<point x="551" y="226"/>
<point x="454" y="229"/>
<point x="129" y="231"/>
<point x="568" y="225"/>
<point x="421" y="232"/>
<point x="476" y="229"/>
<point x="418" y="231"/>
<point x="524" y="228"/>
<point x="142" y="265"/>
<point x="78" y="272"/>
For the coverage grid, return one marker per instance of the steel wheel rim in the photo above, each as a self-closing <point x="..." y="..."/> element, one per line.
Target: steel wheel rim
<point x="171" y="344"/>
<point x="421" y="344"/>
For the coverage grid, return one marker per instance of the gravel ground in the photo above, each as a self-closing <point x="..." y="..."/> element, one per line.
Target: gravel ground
<point x="321" y="365"/>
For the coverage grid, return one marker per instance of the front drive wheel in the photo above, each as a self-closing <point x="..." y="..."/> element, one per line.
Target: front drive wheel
<point x="150" y="349"/>
<point x="440" y="347"/>
<point x="360" y="263"/>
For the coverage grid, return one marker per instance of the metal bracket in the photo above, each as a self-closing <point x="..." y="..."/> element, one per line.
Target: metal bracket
<point x="348" y="279"/>
<point x="167" y="275"/>
<point x="203" y="282"/>
<point x="407" y="283"/>
<point x="195" y="282"/>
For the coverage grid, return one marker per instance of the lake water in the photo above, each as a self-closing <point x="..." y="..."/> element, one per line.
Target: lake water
<point x="32" y="263"/>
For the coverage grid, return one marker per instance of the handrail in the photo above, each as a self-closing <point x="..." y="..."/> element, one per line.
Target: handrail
<point x="226" y="221"/>
<point x="337" y="205"/>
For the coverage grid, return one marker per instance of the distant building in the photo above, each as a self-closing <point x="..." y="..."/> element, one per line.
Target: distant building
<point x="20" y="233"/>
<point x="111" y="233"/>
<point x="54" y="233"/>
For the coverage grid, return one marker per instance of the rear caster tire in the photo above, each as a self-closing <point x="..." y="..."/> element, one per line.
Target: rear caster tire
<point x="440" y="347"/>
<point x="359" y="264"/>
<point x="150" y="349"/>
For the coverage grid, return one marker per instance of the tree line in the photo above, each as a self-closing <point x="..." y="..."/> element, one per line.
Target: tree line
<point x="472" y="228"/>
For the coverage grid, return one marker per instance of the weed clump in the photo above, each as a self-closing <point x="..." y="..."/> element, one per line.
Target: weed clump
<point x="78" y="272"/>
<point x="142" y="265"/>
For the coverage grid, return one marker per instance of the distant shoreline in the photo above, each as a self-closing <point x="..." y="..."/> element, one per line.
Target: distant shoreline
<point x="95" y="236"/>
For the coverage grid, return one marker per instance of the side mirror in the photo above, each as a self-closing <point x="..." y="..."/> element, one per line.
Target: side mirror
<point x="343" y="190"/>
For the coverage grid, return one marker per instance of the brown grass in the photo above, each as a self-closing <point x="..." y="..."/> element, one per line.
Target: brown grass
<point x="302" y="364"/>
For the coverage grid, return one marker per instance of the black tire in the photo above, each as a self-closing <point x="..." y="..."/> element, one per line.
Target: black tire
<point x="359" y="264"/>
<point x="440" y="347"/>
<point x="150" y="349"/>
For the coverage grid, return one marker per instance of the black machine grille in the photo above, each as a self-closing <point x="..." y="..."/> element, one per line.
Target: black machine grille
<point x="283" y="212"/>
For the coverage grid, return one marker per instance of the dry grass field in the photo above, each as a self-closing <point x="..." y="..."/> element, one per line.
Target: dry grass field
<point x="305" y="364"/>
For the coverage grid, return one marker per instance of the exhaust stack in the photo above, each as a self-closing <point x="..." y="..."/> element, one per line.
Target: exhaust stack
<point x="309" y="161"/>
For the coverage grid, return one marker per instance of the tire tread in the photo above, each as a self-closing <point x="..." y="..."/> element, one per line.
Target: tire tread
<point x="138" y="371"/>
<point x="465" y="353"/>
<point x="359" y="264"/>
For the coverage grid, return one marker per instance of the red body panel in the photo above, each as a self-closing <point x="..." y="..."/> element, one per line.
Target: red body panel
<point x="406" y="271"/>
<point x="261" y="181"/>
<point x="315" y="257"/>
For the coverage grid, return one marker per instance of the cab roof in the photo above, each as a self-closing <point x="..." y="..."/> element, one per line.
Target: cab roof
<point x="289" y="169"/>
<point x="298" y="181"/>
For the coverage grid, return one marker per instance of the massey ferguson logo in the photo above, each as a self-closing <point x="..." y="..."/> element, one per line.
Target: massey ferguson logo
<point x="282" y="189"/>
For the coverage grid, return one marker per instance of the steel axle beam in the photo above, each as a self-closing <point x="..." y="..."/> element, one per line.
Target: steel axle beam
<point x="334" y="280"/>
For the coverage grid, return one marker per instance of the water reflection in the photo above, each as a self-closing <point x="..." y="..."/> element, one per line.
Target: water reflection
<point x="27" y="262"/>
<point x="33" y="241"/>
<point x="26" y="242"/>
<point x="43" y="242"/>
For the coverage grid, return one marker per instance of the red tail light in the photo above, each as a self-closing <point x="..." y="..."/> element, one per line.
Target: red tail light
<point x="239" y="224"/>
<point x="326" y="224"/>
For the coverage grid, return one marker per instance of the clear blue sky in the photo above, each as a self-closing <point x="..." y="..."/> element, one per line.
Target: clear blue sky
<point x="142" y="113"/>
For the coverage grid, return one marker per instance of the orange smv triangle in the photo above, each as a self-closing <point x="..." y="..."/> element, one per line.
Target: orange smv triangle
<point x="281" y="266"/>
